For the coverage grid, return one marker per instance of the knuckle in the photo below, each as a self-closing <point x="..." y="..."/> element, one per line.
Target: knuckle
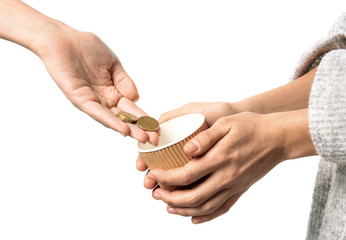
<point x="186" y="178"/>
<point x="208" y="209"/>
<point x="229" y="179"/>
<point x="206" y="137"/>
<point x="224" y="183"/>
<point x="163" y="181"/>
<point x="90" y="35"/>
<point x="194" y="200"/>
<point x="235" y="155"/>
<point x="232" y="177"/>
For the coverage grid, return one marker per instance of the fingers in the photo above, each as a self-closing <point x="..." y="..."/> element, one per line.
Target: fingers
<point x="129" y="106"/>
<point x="182" y="176"/>
<point x="195" y="169"/>
<point x="137" y="133"/>
<point x="140" y="165"/>
<point x="213" y="208"/>
<point x="224" y="208"/>
<point x="149" y="183"/>
<point x="190" y="197"/>
<point x="176" y="113"/>
<point x="205" y="140"/>
<point x="105" y="117"/>
<point x="154" y="137"/>
<point x="208" y="207"/>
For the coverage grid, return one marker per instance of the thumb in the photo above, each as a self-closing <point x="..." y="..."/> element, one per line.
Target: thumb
<point x="205" y="140"/>
<point x="123" y="82"/>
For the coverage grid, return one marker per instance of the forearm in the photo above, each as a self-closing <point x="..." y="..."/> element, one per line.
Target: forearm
<point x="292" y="96"/>
<point x="24" y="25"/>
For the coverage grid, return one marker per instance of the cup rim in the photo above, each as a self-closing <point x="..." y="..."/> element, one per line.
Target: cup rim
<point x="154" y="149"/>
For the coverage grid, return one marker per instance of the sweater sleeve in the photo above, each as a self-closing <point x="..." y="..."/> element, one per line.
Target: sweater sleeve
<point x="327" y="107"/>
<point x="336" y="39"/>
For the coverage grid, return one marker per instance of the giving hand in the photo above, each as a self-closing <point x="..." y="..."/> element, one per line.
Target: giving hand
<point x="92" y="78"/>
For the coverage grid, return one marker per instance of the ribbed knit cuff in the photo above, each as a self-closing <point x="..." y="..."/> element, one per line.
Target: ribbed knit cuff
<point x="327" y="107"/>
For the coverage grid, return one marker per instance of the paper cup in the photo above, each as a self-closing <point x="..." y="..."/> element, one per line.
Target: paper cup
<point x="169" y="153"/>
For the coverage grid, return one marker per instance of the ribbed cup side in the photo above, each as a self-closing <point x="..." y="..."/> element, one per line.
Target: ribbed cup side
<point x="170" y="157"/>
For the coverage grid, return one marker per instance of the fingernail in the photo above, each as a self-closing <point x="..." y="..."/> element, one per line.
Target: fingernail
<point x="123" y="134"/>
<point x="157" y="196"/>
<point x="151" y="176"/>
<point x="171" y="210"/>
<point x="192" y="146"/>
<point x="196" y="220"/>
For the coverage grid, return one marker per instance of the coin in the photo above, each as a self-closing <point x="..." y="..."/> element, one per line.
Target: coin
<point x="148" y="123"/>
<point x="126" y="117"/>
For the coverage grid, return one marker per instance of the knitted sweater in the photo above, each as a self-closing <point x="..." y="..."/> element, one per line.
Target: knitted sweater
<point x="327" y="124"/>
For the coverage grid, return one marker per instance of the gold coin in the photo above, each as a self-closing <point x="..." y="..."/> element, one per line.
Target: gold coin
<point x="148" y="123"/>
<point x="126" y="117"/>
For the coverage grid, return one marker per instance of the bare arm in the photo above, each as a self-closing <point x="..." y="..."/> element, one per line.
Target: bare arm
<point x="82" y="65"/>
<point x="292" y="96"/>
<point x="24" y="25"/>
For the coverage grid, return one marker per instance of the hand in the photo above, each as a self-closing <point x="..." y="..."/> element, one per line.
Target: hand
<point x="233" y="154"/>
<point x="212" y="111"/>
<point x="92" y="78"/>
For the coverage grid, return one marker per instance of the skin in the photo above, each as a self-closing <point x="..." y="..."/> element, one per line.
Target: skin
<point x="244" y="142"/>
<point x="82" y="65"/>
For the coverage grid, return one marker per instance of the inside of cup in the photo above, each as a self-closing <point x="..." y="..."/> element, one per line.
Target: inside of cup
<point x="174" y="131"/>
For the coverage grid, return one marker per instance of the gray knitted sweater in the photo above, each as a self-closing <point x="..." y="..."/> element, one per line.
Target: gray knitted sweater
<point x="327" y="124"/>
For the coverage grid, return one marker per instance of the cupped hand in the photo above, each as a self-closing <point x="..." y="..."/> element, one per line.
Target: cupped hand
<point x="234" y="153"/>
<point x="93" y="79"/>
<point x="212" y="111"/>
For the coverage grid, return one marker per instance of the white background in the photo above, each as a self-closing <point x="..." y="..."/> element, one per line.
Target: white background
<point x="65" y="176"/>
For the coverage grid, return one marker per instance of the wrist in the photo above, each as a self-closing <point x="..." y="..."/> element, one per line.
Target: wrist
<point x="230" y="108"/>
<point x="50" y="34"/>
<point x="243" y="106"/>
<point x="292" y="134"/>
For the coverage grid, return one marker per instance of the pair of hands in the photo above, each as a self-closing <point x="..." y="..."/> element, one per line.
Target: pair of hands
<point x="235" y="152"/>
<point x="93" y="79"/>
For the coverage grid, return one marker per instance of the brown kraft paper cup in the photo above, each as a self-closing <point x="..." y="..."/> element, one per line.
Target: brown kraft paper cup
<point x="175" y="133"/>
